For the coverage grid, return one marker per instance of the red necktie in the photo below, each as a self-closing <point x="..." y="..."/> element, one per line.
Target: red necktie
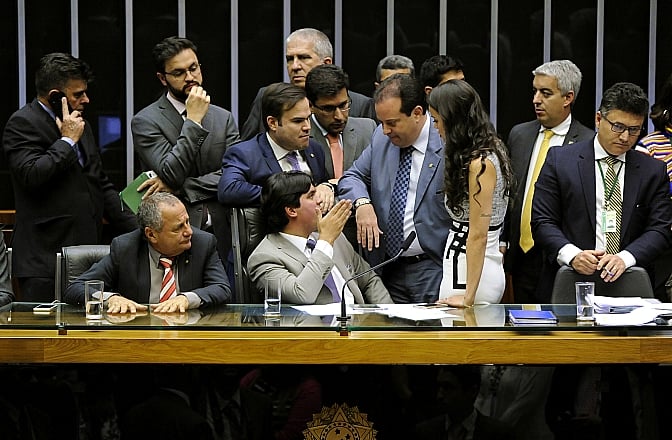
<point x="336" y="154"/>
<point x="168" y="287"/>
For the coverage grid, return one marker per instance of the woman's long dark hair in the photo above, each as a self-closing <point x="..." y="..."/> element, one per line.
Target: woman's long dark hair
<point x="468" y="134"/>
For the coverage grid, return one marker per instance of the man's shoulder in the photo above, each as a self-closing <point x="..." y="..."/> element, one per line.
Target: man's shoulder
<point x="360" y="124"/>
<point x="201" y="236"/>
<point x="529" y="126"/>
<point x="150" y="111"/>
<point x="249" y="147"/>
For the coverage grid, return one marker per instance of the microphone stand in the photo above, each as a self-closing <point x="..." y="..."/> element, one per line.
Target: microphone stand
<point x="344" y="318"/>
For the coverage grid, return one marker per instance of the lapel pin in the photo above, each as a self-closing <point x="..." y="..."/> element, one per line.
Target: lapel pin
<point x="431" y="165"/>
<point x="312" y="154"/>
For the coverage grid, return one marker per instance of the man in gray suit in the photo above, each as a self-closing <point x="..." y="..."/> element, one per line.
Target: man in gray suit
<point x="182" y="137"/>
<point x="378" y="179"/>
<point x="555" y="86"/>
<point x="309" y="268"/>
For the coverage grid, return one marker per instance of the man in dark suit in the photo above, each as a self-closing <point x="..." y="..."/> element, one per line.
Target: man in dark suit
<point x="598" y="205"/>
<point x="165" y="263"/>
<point x="555" y="85"/>
<point x="285" y="145"/>
<point x="185" y="151"/>
<point x="305" y="48"/>
<point x="61" y="191"/>
<point x="405" y="131"/>
<point x="309" y="274"/>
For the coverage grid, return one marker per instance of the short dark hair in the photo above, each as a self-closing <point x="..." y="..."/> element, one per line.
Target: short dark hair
<point x="282" y="190"/>
<point x="56" y="69"/>
<point x="405" y="87"/>
<point x="168" y="48"/>
<point x="325" y="80"/>
<point x="434" y="67"/>
<point x="660" y="111"/>
<point x="394" y="62"/>
<point x="149" y="211"/>
<point x="278" y="98"/>
<point x="626" y="97"/>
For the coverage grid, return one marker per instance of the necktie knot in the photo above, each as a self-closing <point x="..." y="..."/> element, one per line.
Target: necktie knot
<point x="293" y="160"/>
<point x="166" y="262"/>
<point x="310" y="244"/>
<point x="611" y="160"/>
<point x="548" y="134"/>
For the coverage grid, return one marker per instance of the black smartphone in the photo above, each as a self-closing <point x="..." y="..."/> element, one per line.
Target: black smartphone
<point x="56" y="104"/>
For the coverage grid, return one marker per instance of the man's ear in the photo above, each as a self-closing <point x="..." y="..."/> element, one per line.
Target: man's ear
<point x="272" y="122"/>
<point x="290" y="212"/>
<point x="162" y="78"/>
<point x="328" y="60"/>
<point x="569" y="98"/>
<point x="150" y="234"/>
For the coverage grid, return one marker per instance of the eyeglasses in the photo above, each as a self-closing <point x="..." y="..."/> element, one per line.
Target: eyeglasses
<point x="182" y="73"/>
<point x="619" y="128"/>
<point x="328" y="109"/>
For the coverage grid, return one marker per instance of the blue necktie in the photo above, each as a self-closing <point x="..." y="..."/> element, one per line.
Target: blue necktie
<point x="80" y="155"/>
<point x="329" y="282"/>
<point x="395" y="224"/>
<point x="293" y="160"/>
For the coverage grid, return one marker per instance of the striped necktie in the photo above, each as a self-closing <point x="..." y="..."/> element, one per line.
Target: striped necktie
<point x="168" y="287"/>
<point x="613" y="202"/>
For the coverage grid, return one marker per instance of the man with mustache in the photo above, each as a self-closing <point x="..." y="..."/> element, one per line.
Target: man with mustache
<point x="182" y="137"/>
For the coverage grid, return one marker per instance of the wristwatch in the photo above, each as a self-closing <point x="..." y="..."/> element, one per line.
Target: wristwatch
<point x="361" y="202"/>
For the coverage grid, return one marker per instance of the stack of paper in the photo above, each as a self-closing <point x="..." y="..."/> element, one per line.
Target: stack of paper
<point x="623" y="304"/>
<point x="532" y="317"/>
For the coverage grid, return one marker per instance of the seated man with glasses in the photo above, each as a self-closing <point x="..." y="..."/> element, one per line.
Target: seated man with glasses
<point x="600" y="206"/>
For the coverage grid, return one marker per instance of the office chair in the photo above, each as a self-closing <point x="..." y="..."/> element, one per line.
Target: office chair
<point x="73" y="261"/>
<point x="247" y="231"/>
<point x="634" y="282"/>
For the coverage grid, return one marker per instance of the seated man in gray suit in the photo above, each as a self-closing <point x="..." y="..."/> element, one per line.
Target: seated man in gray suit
<point x="165" y="263"/>
<point x="310" y="268"/>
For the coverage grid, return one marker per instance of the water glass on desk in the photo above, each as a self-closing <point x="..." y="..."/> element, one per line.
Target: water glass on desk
<point x="272" y="298"/>
<point x="585" y="294"/>
<point x="93" y="299"/>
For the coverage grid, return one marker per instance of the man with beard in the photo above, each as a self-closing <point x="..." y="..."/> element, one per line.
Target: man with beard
<point x="61" y="191"/>
<point x="182" y="137"/>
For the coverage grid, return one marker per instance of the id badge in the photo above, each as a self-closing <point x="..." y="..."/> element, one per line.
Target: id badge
<point x="609" y="221"/>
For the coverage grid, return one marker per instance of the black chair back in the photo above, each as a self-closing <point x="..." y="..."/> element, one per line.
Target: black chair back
<point x="74" y="261"/>
<point x="247" y="231"/>
<point x="634" y="282"/>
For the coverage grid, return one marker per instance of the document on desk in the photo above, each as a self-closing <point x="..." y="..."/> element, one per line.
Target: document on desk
<point x="639" y="316"/>
<point x="405" y="311"/>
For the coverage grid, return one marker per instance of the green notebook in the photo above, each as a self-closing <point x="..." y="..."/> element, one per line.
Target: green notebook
<point x="130" y="195"/>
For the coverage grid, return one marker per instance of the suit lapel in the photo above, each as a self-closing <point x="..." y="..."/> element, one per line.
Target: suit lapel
<point x="586" y="168"/>
<point x="572" y="134"/>
<point x="316" y="135"/>
<point x="288" y="248"/>
<point x="267" y="153"/>
<point x="430" y="164"/>
<point x="315" y="167"/>
<point x="346" y="271"/>
<point x="522" y="165"/>
<point x="168" y="111"/>
<point x="349" y="142"/>
<point x="143" y="276"/>
<point x="631" y="186"/>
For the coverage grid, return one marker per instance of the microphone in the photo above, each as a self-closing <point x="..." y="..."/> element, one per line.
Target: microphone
<point x="343" y="319"/>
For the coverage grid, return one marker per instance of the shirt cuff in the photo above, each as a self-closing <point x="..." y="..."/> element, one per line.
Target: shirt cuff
<point x="567" y="254"/>
<point x="68" y="140"/>
<point x="627" y="258"/>
<point x="194" y="300"/>
<point x="324" y="247"/>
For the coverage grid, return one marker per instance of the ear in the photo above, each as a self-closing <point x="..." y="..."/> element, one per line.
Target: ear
<point x="569" y="98"/>
<point x="290" y="212"/>
<point x="598" y="118"/>
<point x="162" y="78"/>
<point x="150" y="234"/>
<point x="272" y="122"/>
<point x="328" y="60"/>
<point x="428" y="90"/>
<point x="417" y="111"/>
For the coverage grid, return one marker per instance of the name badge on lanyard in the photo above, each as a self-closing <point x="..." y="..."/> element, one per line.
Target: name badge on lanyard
<point x="609" y="220"/>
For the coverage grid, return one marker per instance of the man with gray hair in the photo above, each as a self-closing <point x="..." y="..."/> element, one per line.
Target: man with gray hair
<point x="555" y="87"/>
<point x="165" y="263"/>
<point x="392" y="64"/>
<point x="304" y="49"/>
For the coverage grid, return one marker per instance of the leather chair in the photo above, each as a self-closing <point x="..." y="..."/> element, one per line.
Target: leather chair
<point x="247" y="231"/>
<point x="73" y="261"/>
<point x="634" y="282"/>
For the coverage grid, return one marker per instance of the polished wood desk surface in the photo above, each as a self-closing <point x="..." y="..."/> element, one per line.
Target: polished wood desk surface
<point x="239" y="334"/>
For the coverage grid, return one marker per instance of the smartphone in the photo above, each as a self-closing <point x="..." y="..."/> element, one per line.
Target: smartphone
<point x="366" y="307"/>
<point x="44" y="309"/>
<point x="432" y="306"/>
<point x="56" y="104"/>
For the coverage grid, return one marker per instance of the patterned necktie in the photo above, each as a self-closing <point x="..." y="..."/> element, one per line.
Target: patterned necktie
<point x="526" y="242"/>
<point x="329" y="281"/>
<point x="168" y="287"/>
<point x="395" y="224"/>
<point x="80" y="155"/>
<point x="293" y="160"/>
<point x="613" y="202"/>
<point x="336" y="154"/>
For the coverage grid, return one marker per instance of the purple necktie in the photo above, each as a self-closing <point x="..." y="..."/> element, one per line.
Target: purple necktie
<point x="293" y="160"/>
<point x="329" y="282"/>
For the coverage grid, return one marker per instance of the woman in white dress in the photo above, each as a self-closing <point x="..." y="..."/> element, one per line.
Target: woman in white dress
<point x="477" y="182"/>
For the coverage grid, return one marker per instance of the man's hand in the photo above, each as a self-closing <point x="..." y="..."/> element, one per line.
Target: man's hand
<point x="119" y="304"/>
<point x="72" y="124"/>
<point x="325" y="197"/>
<point x="178" y="303"/>
<point x="612" y="267"/>
<point x="153" y="185"/>
<point x="197" y="103"/>
<point x="368" y="233"/>
<point x="331" y="225"/>
<point x="585" y="262"/>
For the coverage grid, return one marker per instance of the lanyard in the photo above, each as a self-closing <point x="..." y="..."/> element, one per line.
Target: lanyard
<point x="607" y="196"/>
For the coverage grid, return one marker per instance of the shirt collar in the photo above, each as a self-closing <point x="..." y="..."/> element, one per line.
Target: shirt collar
<point x="48" y="110"/>
<point x="154" y="256"/>
<point x="179" y="106"/>
<point x="278" y="151"/>
<point x="561" y="129"/>
<point x="297" y="241"/>
<point x="601" y="153"/>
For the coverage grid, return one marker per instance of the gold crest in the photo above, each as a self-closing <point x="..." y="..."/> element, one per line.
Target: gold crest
<point x="339" y="422"/>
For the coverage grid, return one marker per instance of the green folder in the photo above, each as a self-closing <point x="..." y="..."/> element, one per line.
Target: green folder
<point x="130" y="195"/>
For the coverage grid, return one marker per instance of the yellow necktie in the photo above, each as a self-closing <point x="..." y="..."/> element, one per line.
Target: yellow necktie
<point x="526" y="241"/>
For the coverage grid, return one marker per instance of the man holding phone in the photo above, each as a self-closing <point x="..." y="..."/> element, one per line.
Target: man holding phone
<point x="60" y="189"/>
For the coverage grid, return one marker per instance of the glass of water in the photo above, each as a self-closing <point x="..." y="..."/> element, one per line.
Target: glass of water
<point x="93" y="299"/>
<point x="272" y="298"/>
<point x="585" y="292"/>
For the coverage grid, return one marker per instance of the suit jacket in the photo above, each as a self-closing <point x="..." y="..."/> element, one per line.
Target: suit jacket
<point x="563" y="208"/>
<point x="6" y="294"/>
<point x="521" y="144"/>
<point x="247" y="165"/>
<point x="372" y="175"/>
<point x="126" y="270"/>
<point x="302" y="279"/>
<point x="356" y="137"/>
<point x="58" y="201"/>
<point x="361" y="107"/>
<point x="186" y="156"/>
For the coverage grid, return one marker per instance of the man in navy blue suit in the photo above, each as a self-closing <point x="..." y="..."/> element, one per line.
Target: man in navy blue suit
<point x="590" y="222"/>
<point x="285" y="146"/>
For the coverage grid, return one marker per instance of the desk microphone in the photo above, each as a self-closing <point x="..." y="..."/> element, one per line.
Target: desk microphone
<point x="343" y="319"/>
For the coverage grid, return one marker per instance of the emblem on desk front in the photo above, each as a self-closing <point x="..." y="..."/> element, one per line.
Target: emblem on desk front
<point x="339" y="422"/>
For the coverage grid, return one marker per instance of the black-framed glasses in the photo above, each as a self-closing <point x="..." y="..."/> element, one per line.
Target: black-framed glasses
<point x="328" y="109"/>
<point x="182" y="73"/>
<point x="619" y="128"/>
